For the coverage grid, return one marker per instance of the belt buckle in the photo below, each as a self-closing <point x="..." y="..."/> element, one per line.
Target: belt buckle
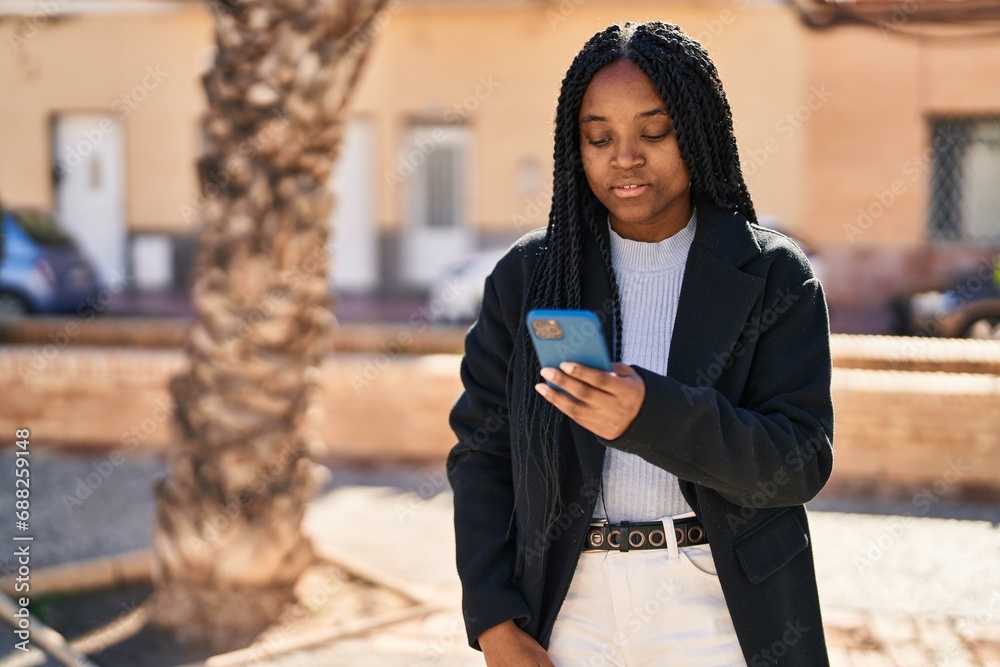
<point x="597" y="535"/>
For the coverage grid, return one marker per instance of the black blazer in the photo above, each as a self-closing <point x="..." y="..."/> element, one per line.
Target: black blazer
<point x="744" y="419"/>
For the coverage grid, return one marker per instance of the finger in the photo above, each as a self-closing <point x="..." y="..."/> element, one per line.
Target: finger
<point x="570" y="406"/>
<point x="584" y="414"/>
<point x="623" y="370"/>
<point x="565" y="404"/>
<point x="583" y="391"/>
<point x="595" y="377"/>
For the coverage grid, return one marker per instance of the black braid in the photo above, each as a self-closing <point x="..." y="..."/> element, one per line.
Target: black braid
<point x="687" y="81"/>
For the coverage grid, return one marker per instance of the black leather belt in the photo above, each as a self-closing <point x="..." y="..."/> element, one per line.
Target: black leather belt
<point x="624" y="536"/>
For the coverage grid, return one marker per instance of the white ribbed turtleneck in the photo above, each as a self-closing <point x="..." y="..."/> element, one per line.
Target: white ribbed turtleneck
<point x="649" y="283"/>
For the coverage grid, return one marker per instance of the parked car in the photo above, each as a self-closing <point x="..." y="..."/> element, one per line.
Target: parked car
<point x="457" y="294"/>
<point x="42" y="270"/>
<point x="966" y="308"/>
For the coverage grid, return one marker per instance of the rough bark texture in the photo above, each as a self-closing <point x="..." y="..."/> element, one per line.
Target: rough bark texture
<point x="228" y="543"/>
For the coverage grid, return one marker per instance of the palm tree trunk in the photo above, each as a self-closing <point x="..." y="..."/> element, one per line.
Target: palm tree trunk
<point x="228" y="542"/>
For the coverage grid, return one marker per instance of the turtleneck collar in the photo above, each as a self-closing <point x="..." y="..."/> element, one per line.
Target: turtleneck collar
<point x="644" y="256"/>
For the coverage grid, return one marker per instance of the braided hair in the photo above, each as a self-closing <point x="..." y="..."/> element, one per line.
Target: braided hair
<point x="687" y="81"/>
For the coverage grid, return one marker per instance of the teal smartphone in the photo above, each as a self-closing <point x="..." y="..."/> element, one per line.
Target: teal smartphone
<point x="568" y="335"/>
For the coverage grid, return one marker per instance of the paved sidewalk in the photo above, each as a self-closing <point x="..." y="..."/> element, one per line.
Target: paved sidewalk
<point x="890" y="597"/>
<point x="903" y="587"/>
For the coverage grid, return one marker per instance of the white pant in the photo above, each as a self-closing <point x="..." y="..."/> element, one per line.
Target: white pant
<point x="640" y="608"/>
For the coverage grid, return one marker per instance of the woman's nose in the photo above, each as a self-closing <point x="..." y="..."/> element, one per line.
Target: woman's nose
<point x="627" y="155"/>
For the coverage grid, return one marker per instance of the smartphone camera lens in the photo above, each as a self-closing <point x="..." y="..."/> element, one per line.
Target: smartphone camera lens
<point x="547" y="329"/>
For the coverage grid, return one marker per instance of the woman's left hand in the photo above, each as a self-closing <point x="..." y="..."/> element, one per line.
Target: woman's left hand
<point x="605" y="403"/>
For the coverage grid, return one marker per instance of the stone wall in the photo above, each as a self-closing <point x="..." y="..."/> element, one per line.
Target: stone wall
<point x="911" y="413"/>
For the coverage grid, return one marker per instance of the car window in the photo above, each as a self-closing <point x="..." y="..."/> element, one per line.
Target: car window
<point x="41" y="228"/>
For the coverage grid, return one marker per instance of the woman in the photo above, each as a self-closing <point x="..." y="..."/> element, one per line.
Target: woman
<point x="657" y="517"/>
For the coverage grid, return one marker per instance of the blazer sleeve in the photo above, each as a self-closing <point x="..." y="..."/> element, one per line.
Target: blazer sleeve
<point x="479" y="470"/>
<point x="775" y="448"/>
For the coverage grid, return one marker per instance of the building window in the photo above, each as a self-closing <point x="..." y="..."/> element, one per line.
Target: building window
<point x="965" y="180"/>
<point x="437" y="200"/>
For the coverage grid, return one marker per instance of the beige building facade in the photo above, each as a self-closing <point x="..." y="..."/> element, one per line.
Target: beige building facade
<point x="449" y="142"/>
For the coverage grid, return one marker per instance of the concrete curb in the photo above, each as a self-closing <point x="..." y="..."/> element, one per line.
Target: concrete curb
<point x="88" y="575"/>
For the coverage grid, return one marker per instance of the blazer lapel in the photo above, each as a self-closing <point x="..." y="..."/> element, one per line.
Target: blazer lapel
<point x="715" y="302"/>
<point x="716" y="297"/>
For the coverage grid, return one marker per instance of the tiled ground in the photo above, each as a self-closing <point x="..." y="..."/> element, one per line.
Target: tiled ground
<point x="928" y="595"/>
<point x="894" y="625"/>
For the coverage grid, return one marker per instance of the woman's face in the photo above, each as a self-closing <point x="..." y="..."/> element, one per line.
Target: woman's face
<point x="627" y="138"/>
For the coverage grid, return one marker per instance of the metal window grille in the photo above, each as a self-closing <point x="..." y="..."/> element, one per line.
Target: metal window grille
<point x="437" y="198"/>
<point x="965" y="180"/>
<point x="442" y="186"/>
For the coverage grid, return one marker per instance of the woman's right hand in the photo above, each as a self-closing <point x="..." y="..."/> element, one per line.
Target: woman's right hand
<point x="507" y="645"/>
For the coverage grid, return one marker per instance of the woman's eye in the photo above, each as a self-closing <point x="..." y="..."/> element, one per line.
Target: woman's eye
<point x="602" y="142"/>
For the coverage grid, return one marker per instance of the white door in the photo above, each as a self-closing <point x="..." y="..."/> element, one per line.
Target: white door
<point x="353" y="237"/>
<point x="437" y="162"/>
<point x="90" y="191"/>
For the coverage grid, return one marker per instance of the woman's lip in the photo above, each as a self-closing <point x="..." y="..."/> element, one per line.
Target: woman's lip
<point x="630" y="192"/>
